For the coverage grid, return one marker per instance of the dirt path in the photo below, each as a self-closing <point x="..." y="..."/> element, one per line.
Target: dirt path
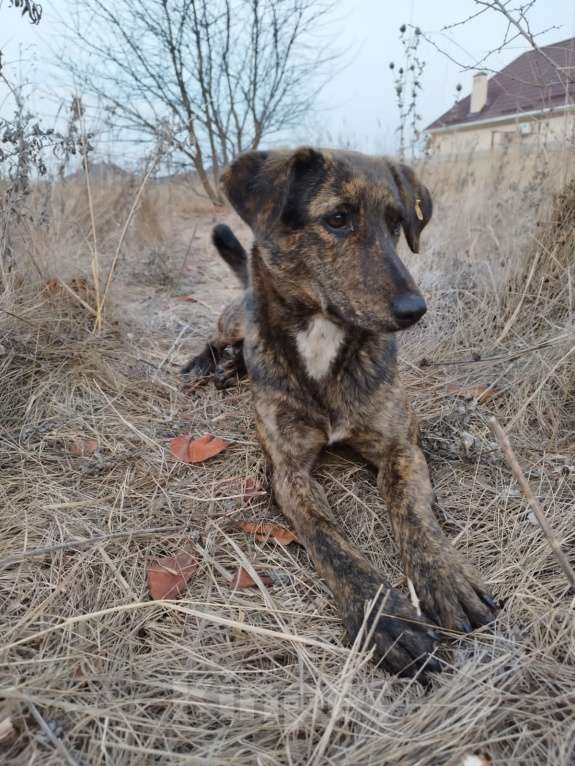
<point x="170" y="300"/>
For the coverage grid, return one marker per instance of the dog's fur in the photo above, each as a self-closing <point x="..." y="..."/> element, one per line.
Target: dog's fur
<point x="325" y="293"/>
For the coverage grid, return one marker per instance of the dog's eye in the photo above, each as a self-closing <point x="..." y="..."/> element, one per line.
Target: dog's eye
<point x="339" y="220"/>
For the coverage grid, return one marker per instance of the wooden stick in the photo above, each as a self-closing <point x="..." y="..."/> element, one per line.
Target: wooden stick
<point x="96" y="540"/>
<point x="513" y="463"/>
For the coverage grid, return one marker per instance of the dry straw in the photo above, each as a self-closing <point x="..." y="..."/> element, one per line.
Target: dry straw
<point x="91" y="671"/>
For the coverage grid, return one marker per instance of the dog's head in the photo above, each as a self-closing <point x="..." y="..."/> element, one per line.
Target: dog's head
<point x="327" y="224"/>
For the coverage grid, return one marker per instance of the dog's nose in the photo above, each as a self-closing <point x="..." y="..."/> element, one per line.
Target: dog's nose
<point x="408" y="308"/>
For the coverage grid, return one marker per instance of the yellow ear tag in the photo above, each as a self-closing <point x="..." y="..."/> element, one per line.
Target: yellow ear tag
<point x="418" y="210"/>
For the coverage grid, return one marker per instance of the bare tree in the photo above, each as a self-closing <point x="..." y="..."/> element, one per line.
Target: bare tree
<point x="204" y="78"/>
<point x="515" y="15"/>
<point x="31" y="9"/>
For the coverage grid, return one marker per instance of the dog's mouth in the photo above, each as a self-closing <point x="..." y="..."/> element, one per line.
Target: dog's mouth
<point x="402" y="315"/>
<point x="405" y="324"/>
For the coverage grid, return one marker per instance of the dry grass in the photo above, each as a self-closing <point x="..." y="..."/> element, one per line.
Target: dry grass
<point x="93" y="672"/>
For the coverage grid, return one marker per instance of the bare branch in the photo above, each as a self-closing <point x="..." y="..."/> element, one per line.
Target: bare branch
<point x="205" y="78"/>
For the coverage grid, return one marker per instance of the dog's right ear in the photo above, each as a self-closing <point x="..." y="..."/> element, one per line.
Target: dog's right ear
<point x="267" y="187"/>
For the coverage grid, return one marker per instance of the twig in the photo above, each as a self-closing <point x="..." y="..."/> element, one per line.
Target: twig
<point x="184" y="608"/>
<point x="414" y="597"/>
<point x="502" y="357"/>
<point x="95" y="257"/>
<point x="96" y="540"/>
<point x="513" y="463"/>
<point x="102" y="301"/>
<point x="515" y="314"/>
<point x="539" y="388"/>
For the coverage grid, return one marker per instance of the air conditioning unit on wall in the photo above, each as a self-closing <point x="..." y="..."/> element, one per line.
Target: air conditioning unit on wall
<point x="525" y="128"/>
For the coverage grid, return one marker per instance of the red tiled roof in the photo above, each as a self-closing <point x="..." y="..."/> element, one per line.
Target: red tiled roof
<point x="529" y="83"/>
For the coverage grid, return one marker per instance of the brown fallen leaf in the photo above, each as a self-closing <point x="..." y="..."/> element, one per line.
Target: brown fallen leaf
<point x="186" y="298"/>
<point x="190" y="450"/>
<point x="78" y="285"/>
<point x="82" y="445"/>
<point x="265" y="532"/>
<point x="243" y="579"/>
<point x="481" y="392"/>
<point x="168" y="576"/>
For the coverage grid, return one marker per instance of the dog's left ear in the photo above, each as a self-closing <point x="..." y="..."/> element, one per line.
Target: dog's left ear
<point x="267" y="188"/>
<point x="247" y="185"/>
<point x="416" y="203"/>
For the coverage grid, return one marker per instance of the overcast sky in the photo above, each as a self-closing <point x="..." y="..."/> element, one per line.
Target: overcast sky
<point x="358" y="104"/>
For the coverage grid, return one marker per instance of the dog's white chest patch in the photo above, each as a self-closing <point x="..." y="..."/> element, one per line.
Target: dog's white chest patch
<point x="318" y="345"/>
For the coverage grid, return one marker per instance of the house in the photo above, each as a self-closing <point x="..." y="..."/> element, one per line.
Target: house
<point x="530" y="102"/>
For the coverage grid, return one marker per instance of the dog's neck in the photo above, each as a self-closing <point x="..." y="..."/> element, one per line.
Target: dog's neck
<point x="291" y="319"/>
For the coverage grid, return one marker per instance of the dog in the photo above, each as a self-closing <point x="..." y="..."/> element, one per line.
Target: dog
<point x="325" y="294"/>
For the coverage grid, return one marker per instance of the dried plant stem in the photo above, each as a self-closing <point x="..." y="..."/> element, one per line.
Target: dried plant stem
<point x="515" y="314"/>
<point x="513" y="463"/>
<point x="96" y="540"/>
<point x="541" y="385"/>
<point x="95" y="258"/>
<point x="102" y="301"/>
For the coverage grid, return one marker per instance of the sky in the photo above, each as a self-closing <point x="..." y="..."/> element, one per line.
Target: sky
<point x="357" y="105"/>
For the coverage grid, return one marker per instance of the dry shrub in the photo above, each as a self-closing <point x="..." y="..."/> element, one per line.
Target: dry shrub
<point x="542" y="289"/>
<point x="93" y="671"/>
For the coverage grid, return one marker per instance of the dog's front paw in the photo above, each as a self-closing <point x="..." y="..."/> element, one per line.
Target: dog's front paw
<point x="451" y="592"/>
<point x="230" y="369"/>
<point x="403" y="641"/>
<point x="200" y="367"/>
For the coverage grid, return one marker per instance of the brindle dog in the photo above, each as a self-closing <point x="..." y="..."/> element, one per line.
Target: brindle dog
<point x="325" y="294"/>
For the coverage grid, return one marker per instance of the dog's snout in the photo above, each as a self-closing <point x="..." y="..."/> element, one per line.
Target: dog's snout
<point x="408" y="308"/>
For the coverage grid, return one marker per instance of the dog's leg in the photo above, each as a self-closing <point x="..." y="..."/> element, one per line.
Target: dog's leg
<point x="449" y="589"/>
<point x="203" y="364"/>
<point x="231" y="368"/>
<point x="211" y="361"/>
<point x="401" y="641"/>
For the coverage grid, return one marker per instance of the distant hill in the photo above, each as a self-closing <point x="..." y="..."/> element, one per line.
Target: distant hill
<point x="103" y="171"/>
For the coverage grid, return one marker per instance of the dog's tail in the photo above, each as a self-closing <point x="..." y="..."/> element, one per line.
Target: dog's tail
<point x="231" y="250"/>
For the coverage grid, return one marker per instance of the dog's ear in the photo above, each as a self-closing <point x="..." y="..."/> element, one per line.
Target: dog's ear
<point x="416" y="203"/>
<point x="266" y="187"/>
<point x="245" y="184"/>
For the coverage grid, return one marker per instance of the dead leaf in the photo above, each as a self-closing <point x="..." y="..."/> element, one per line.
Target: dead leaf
<point x="265" y="532"/>
<point x="78" y="285"/>
<point x="190" y="450"/>
<point x="243" y="579"/>
<point x="186" y="298"/>
<point x="82" y="445"/>
<point x="481" y="392"/>
<point x="167" y="578"/>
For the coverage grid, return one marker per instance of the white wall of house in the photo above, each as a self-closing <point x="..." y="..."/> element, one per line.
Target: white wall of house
<point x="547" y="129"/>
